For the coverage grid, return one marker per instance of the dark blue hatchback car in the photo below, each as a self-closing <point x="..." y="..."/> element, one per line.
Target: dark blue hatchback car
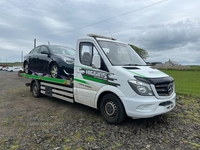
<point x="50" y="59"/>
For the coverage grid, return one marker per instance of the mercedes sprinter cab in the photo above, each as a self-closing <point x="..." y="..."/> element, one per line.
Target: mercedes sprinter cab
<point x="110" y="76"/>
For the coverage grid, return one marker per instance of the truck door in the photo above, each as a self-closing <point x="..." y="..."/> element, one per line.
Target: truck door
<point x="88" y="79"/>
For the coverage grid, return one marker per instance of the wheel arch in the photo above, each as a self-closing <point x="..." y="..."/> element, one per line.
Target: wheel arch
<point x="24" y="63"/>
<point x="53" y="61"/>
<point x="112" y="90"/>
<point x="34" y="81"/>
<point x="102" y="95"/>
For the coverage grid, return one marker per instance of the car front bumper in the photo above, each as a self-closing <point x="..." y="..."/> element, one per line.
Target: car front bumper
<point x="66" y="68"/>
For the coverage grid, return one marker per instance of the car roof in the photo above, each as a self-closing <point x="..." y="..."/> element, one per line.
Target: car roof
<point x="52" y="46"/>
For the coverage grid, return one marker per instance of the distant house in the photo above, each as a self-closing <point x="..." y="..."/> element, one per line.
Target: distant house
<point x="154" y="63"/>
<point x="171" y="63"/>
<point x="158" y="64"/>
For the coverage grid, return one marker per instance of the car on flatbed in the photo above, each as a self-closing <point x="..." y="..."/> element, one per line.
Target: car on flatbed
<point x="50" y="59"/>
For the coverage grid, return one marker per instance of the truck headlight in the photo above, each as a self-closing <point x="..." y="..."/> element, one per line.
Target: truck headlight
<point x="140" y="87"/>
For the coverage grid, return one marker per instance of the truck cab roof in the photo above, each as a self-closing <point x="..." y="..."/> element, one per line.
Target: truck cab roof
<point x="100" y="36"/>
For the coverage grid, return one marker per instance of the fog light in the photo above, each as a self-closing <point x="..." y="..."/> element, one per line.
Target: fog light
<point x="143" y="107"/>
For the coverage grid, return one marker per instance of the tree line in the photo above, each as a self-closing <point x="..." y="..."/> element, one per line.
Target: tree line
<point x="141" y="52"/>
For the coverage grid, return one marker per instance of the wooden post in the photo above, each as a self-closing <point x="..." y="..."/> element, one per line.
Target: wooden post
<point x="22" y="57"/>
<point x="34" y="43"/>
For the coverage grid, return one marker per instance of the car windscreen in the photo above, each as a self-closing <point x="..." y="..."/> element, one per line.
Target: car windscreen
<point x="62" y="50"/>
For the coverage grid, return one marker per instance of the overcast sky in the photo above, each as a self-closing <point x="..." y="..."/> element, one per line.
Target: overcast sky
<point x="167" y="29"/>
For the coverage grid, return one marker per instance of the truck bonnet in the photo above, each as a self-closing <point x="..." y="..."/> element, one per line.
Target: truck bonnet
<point x="144" y="71"/>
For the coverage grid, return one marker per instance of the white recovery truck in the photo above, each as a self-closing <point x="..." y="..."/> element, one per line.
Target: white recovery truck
<point x="111" y="77"/>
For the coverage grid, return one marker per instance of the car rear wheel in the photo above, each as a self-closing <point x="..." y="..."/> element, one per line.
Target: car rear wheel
<point x="26" y="68"/>
<point x="54" y="70"/>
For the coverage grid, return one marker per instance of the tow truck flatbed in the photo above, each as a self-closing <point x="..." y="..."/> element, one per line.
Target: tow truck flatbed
<point x="68" y="82"/>
<point x="53" y="87"/>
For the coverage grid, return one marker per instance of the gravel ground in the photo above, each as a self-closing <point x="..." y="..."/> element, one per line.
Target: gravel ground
<point x="47" y="123"/>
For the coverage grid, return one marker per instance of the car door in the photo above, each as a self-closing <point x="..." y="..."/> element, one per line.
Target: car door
<point x="43" y="59"/>
<point x="33" y="61"/>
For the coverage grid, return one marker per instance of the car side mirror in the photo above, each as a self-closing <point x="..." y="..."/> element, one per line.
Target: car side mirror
<point x="96" y="61"/>
<point x="44" y="52"/>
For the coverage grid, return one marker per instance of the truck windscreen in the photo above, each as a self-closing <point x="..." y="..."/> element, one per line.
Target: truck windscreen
<point x="121" y="54"/>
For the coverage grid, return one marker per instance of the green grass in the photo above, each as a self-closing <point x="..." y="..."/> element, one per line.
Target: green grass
<point x="195" y="68"/>
<point x="186" y="82"/>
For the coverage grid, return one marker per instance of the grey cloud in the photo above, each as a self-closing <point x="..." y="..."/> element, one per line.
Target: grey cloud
<point x="161" y="29"/>
<point x="168" y="36"/>
<point x="188" y="54"/>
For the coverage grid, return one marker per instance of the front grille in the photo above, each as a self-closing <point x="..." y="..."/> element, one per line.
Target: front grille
<point x="161" y="86"/>
<point x="164" y="89"/>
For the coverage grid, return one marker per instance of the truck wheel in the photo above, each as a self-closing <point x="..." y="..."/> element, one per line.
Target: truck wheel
<point x="35" y="90"/>
<point x="54" y="70"/>
<point x="26" y="68"/>
<point x="112" y="109"/>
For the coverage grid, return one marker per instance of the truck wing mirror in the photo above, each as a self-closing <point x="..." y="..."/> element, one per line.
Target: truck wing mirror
<point x="96" y="61"/>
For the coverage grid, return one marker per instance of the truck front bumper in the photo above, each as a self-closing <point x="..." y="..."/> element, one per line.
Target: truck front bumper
<point x="147" y="106"/>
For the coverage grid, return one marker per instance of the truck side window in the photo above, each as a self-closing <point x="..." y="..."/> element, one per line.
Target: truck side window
<point x="86" y="52"/>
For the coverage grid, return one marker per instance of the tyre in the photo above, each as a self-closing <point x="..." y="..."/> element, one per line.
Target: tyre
<point x="26" y="68"/>
<point x="54" y="70"/>
<point x="35" y="90"/>
<point x="112" y="109"/>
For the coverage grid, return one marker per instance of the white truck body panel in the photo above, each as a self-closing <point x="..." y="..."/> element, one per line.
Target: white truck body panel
<point x="87" y="91"/>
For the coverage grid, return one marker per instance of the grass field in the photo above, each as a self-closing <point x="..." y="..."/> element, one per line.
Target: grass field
<point x="195" y="68"/>
<point x="186" y="82"/>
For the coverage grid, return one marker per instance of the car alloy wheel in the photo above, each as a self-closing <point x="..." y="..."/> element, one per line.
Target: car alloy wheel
<point x="26" y="68"/>
<point x="54" y="70"/>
